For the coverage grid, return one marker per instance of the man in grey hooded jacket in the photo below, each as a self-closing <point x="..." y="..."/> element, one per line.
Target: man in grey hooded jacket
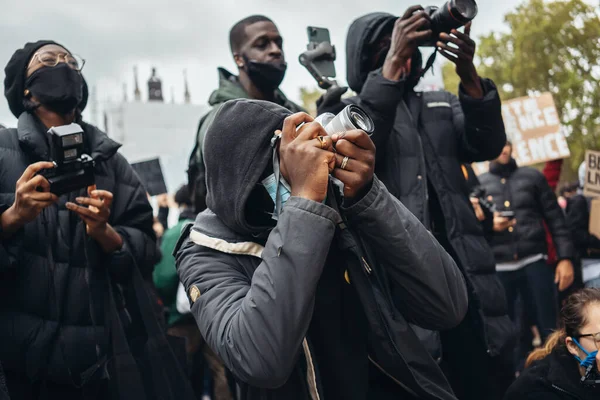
<point x="289" y="279"/>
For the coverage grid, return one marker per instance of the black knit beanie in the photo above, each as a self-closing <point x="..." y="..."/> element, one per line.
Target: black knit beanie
<point x="15" y="71"/>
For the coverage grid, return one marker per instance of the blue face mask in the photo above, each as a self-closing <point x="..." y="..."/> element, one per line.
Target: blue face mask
<point x="279" y="190"/>
<point x="589" y="360"/>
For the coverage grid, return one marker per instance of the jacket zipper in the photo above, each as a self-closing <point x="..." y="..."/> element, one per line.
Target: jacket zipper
<point x="379" y="367"/>
<point x="366" y="266"/>
<point x="565" y="392"/>
<point x="311" y="377"/>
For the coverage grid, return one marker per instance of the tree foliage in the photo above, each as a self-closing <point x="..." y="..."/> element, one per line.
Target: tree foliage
<point x="551" y="46"/>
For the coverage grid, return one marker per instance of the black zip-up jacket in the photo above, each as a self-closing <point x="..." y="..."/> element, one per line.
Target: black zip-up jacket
<point x="422" y="139"/>
<point x="525" y="191"/>
<point x="577" y="216"/>
<point x="555" y="377"/>
<point x="253" y="288"/>
<point x="32" y="342"/>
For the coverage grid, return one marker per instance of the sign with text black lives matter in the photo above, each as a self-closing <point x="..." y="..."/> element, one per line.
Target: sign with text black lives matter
<point x="533" y="126"/>
<point x="591" y="186"/>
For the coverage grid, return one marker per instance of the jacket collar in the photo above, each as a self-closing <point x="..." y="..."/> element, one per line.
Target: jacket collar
<point x="32" y="136"/>
<point x="231" y="89"/>
<point x="563" y="374"/>
<point x="503" y="170"/>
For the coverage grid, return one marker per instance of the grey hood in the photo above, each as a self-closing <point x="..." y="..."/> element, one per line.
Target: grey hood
<point x="237" y="150"/>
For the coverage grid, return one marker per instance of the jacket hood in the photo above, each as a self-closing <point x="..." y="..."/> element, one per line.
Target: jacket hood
<point x="362" y="35"/>
<point x="229" y="88"/>
<point x="237" y="150"/>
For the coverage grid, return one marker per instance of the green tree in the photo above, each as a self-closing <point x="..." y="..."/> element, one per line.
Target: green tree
<point x="309" y="97"/>
<point x="551" y="46"/>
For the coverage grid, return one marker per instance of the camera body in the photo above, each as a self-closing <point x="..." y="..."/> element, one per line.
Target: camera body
<point x="73" y="169"/>
<point x="351" y="117"/>
<point x="480" y="194"/>
<point x="452" y="15"/>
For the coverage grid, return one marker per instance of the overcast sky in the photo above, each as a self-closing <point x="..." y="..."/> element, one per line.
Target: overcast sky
<point x="115" y="35"/>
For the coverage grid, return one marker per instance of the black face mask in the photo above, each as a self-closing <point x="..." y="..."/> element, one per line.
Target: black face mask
<point x="58" y="88"/>
<point x="266" y="76"/>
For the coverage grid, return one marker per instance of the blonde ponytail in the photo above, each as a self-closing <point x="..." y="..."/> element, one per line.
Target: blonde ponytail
<point x="555" y="340"/>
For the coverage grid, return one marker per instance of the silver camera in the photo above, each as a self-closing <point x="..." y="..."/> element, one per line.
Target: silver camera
<point x="351" y="117"/>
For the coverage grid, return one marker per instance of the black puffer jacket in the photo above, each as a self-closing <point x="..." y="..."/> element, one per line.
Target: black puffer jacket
<point x="28" y="314"/>
<point x="577" y="215"/>
<point x="420" y="148"/>
<point x="555" y="377"/>
<point x="526" y="192"/>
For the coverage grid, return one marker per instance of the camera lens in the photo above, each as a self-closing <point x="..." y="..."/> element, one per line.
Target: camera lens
<point x="466" y="8"/>
<point x="359" y="120"/>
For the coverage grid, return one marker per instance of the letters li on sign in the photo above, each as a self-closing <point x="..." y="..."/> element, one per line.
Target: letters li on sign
<point x="592" y="174"/>
<point x="532" y="124"/>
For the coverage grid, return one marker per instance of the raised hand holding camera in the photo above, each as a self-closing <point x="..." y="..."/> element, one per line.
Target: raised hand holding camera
<point x="409" y="32"/>
<point x="462" y="56"/>
<point x="355" y="162"/>
<point x="306" y="157"/>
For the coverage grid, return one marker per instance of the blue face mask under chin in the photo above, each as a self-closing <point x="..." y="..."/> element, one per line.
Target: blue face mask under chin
<point x="589" y="360"/>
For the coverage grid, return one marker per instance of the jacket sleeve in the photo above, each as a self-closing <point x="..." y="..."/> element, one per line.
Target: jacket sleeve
<point x="380" y="98"/>
<point x="257" y="324"/>
<point x="578" y="220"/>
<point x="478" y="124"/>
<point x="433" y="288"/>
<point x="131" y="217"/>
<point x="554" y="218"/>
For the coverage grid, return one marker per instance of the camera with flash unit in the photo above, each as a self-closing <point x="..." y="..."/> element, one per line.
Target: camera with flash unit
<point x="452" y="15"/>
<point x="73" y="169"/>
<point x="351" y="117"/>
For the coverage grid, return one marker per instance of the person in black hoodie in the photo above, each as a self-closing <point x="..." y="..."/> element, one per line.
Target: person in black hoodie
<point x="422" y="140"/>
<point x="288" y="273"/>
<point x="567" y="367"/>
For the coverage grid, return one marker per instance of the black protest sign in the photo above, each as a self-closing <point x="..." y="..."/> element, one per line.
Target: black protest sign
<point x="592" y="173"/>
<point x="151" y="175"/>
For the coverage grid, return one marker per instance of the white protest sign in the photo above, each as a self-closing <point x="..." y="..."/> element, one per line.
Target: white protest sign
<point x="591" y="186"/>
<point x="533" y="125"/>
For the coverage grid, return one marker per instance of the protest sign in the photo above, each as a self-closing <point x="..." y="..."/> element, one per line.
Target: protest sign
<point x="533" y="126"/>
<point x="591" y="185"/>
<point x="151" y="175"/>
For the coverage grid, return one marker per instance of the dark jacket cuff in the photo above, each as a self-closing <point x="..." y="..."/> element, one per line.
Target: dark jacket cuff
<point x="366" y="202"/>
<point x="120" y="262"/>
<point x="490" y="93"/>
<point x="382" y="94"/>
<point x="313" y="207"/>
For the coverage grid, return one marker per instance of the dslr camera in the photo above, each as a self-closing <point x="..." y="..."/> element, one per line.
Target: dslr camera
<point x="73" y="170"/>
<point x="351" y="117"/>
<point x="452" y="15"/>
<point x="480" y="194"/>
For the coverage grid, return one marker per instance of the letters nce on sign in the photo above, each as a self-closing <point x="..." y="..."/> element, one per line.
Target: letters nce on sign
<point x="533" y="125"/>
<point x="592" y="173"/>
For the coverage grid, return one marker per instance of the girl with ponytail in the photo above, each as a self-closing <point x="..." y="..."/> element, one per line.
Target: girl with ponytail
<point x="568" y="365"/>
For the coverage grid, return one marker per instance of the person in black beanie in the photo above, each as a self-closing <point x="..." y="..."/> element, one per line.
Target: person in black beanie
<point x="60" y="254"/>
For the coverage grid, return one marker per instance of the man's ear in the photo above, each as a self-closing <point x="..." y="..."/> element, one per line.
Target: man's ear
<point x="239" y="60"/>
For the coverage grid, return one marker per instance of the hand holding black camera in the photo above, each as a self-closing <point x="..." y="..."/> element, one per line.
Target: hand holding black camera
<point x="409" y="32"/>
<point x="32" y="195"/>
<point x="306" y="157"/>
<point x="95" y="212"/>
<point x="462" y="56"/>
<point x="354" y="161"/>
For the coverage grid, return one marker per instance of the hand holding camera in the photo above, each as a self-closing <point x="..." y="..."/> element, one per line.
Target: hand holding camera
<point x="95" y="216"/>
<point x="354" y="161"/>
<point x="462" y="56"/>
<point x="306" y="157"/>
<point x="503" y="223"/>
<point x="32" y="195"/>
<point x="409" y="32"/>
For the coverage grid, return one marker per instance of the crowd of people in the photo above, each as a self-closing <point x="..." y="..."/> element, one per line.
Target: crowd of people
<point x="304" y="265"/>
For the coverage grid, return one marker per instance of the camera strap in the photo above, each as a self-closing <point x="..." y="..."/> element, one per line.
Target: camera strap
<point x="429" y="63"/>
